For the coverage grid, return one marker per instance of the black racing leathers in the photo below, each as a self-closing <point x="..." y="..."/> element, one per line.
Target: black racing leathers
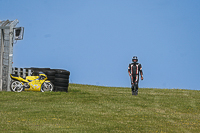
<point x="134" y="69"/>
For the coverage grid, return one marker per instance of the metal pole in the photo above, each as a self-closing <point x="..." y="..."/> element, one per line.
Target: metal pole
<point x="1" y="61"/>
<point x="10" y="56"/>
<point x="2" y="53"/>
<point x="6" y="62"/>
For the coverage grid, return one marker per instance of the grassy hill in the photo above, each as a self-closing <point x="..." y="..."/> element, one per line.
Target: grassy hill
<point x="92" y="109"/>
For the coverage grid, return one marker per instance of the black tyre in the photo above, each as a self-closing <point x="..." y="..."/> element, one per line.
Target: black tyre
<point x="52" y="81"/>
<point x="60" y="88"/>
<point x="61" y="71"/>
<point x="61" y="80"/>
<point x="38" y="69"/>
<point x="61" y="84"/>
<point x="50" y="73"/>
<point x="50" y="77"/>
<point x="62" y="76"/>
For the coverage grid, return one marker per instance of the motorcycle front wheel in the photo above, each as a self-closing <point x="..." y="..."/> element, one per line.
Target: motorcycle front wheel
<point x="47" y="86"/>
<point x="16" y="86"/>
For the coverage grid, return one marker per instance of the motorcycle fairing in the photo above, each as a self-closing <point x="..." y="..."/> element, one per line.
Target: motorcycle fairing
<point x="35" y="82"/>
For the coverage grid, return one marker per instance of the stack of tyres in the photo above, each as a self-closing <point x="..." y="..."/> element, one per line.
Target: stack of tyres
<point x="61" y="81"/>
<point x="50" y="75"/>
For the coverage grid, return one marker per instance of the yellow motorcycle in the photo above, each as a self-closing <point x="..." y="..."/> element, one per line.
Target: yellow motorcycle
<point x="30" y="83"/>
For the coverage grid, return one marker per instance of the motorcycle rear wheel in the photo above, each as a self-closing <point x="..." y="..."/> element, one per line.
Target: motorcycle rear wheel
<point x="47" y="86"/>
<point x="16" y="86"/>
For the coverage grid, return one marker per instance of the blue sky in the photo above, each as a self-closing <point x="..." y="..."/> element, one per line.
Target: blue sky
<point x="96" y="39"/>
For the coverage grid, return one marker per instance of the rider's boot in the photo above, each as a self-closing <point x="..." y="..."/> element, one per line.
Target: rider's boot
<point x="133" y="89"/>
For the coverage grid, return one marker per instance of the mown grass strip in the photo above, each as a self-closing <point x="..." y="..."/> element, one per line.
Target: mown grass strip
<point x="87" y="108"/>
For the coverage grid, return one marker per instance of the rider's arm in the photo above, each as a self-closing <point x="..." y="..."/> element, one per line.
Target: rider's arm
<point x="141" y="73"/>
<point x="129" y="69"/>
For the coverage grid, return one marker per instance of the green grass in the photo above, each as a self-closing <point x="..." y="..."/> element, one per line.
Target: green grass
<point x="94" y="109"/>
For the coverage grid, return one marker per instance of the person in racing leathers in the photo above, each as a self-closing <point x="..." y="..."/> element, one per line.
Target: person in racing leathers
<point x="133" y="70"/>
